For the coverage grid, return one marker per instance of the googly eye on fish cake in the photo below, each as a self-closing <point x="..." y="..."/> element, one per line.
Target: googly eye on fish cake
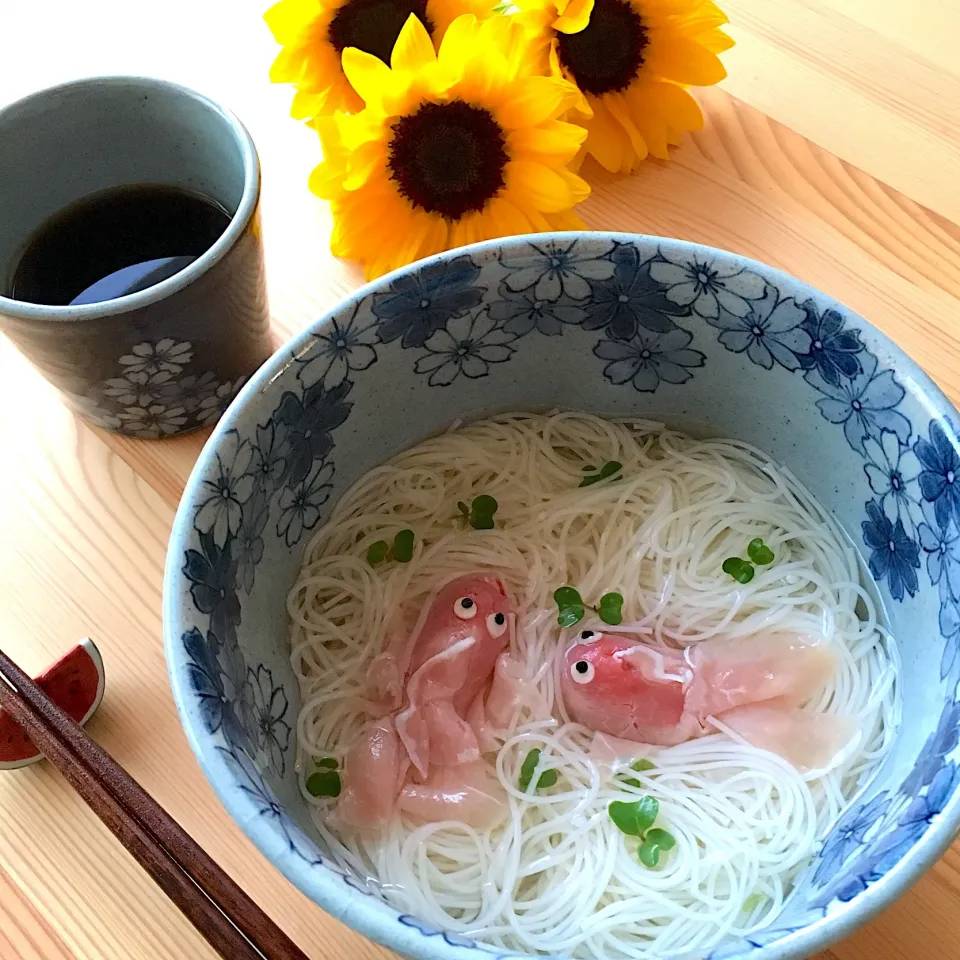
<point x="582" y="671"/>
<point x="465" y="608"/>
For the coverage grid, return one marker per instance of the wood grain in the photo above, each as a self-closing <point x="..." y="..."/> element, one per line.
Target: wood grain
<point x="832" y="151"/>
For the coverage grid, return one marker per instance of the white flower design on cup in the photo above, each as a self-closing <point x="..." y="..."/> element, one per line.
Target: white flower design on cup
<point x="164" y="356"/>
<point x="153" y="421"/>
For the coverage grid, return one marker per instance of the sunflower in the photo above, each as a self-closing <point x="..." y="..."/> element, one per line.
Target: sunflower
<point x="454" y="146"/>
<point x="632" y="60"/>
<point x="314" y="33"/>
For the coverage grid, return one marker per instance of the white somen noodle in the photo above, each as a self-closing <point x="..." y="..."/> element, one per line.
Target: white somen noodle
<point x="557" y="876"/>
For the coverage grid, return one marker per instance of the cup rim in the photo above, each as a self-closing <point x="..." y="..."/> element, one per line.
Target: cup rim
<point x="21" y="310"/>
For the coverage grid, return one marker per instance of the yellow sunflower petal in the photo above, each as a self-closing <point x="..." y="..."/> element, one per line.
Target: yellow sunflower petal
<point x="414" y="48"/>
<point x="457" y="59"/>
<point x="554" y="142"/>
<point x="288" y="66"/>
<point x="578" y="187"/>
<point x="606" y="140"/>
<point x="699" y="17"/>
<point x="363" y="162"/>
<point x="369" y="76"/>
<point x="620" y="110"/>
<point x="325" y="180"/>
<point x="716" y="41"/>
<point x="288" y="18"/>
<point x="578" y="100"/>
<point x="458" y="42"/>
<point x="678" y="106"/>
<point x="574" y="16"/>
<point x="540" y="186"/>
<point x="647" y="116"/>
<point x="442" y="13"/>
<point x="566" y="221"/>
<point x="507" y="217"/>
<point x="685" y="61"/>
<point x="533" y="100"/>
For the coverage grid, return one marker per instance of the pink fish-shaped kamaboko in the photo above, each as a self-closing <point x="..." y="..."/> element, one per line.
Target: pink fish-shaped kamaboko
<point x="753" y="685"/>
<point x="442" y="690"/>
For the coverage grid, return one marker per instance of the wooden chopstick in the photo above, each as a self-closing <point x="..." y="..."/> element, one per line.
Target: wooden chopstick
<point x="230" y="921"/>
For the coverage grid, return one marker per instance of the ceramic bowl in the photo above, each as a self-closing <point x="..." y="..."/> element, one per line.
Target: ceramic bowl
<point x="607" y="323"/>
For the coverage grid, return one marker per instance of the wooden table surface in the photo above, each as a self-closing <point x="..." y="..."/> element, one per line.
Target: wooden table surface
<point x="832" y="151"/>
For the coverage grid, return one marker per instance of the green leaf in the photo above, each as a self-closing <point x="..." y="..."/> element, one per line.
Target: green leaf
<point x="662" y="838"/>
<point x="565" y="596"/>
<point x="643" y="765"/>
<point x="752" y="902"/>
<point x="570" y="607"/>
<point x="377" y="552"/>
<point x="547" y="779"/>
<point x="527" y="767"/>
<point x="403" y="546"/>
<point x="632" y="782"/>
<point x="482" y="511"/>
<point x="634" y="818"/>
<point x="330" y="763"/>
<point x="759" y="552"/>
<point x="610" y="611"/>
<point x="609" y="469"/>
<point x="324" y="783"/>
<point x="740" y="570"/>
<point x="463" y="508"/>
<point x="649" y="853"/>
<point x="657" y="841"/>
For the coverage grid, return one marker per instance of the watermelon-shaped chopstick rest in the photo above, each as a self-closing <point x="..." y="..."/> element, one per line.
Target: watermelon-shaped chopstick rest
<point x="74" y="683"/>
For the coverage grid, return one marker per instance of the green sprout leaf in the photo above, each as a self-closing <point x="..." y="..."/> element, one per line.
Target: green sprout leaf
<point x="547" y="779"/>
<point x="740" y="570"/>
<point x="482" y="511"/>
<point x="657" y="841"/>
<point x="570" y="607"/>
<point x="635" y="818"/>
<point x="610" y="611"/>
<point x="377" y="552"/>
<point x="641" y="766"/>
<point x="324" y="783"/>
<point x="529" y="764"/>
<point x="759" y="552"/>
<point x="328" y="763"/>
<point x="752" y="902"/>
<point x="403" y="546"/>
<point x="609" y="469"/>
<point x="463" y="508"/>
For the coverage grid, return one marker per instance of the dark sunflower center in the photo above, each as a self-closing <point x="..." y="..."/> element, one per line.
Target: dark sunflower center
<point x="606" y="55"/>
<point x="448" y="158"/>
<point x="374" y="25"/>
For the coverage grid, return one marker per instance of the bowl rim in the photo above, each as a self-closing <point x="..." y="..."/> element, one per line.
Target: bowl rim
<point x="327" y="889"/>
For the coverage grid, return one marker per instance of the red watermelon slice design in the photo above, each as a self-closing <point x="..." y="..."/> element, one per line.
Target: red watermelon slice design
<point x="74" y="683"/>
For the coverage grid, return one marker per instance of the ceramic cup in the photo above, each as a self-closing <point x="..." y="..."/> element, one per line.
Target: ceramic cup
<point x="168" y="358"/>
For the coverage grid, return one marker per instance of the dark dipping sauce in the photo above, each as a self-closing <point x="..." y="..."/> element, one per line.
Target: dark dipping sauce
<point x="114" y="243"/>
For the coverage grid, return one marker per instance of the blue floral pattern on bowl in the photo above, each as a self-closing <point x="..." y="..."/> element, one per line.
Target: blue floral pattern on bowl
<point x="607" y="322"/>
